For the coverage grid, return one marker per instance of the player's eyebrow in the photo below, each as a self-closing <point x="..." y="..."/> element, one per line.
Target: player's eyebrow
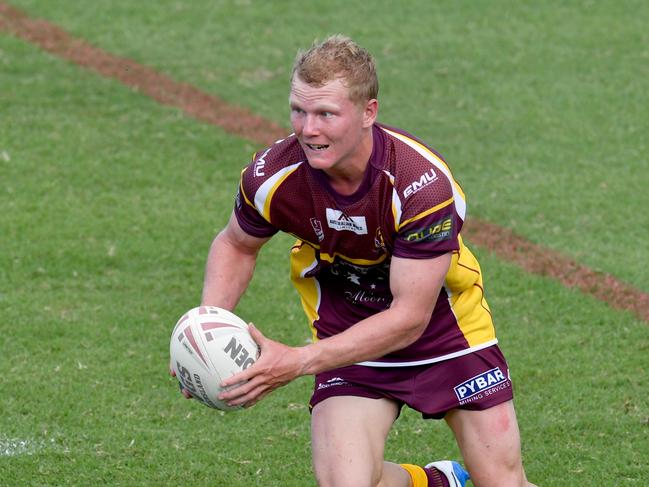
<point x="318" y="108"/>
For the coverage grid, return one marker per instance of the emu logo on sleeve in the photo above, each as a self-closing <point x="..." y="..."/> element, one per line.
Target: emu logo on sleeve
<point x="424" y="180"/>
<point x="337" y="220"/>
<point x="260" y="163"/>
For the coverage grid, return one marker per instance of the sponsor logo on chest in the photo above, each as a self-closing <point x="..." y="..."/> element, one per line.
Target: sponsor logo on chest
<point x="338" y="220"/>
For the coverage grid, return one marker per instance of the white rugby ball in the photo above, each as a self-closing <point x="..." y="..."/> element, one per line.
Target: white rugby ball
<point x="208" y="345"/>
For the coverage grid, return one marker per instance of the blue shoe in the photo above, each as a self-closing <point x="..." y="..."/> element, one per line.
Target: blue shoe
<point x="453" y="471"/>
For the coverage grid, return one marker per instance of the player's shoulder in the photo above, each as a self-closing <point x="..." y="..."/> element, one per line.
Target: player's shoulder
<point x="414" y="164"/>
<point x="411" y="147"/>
<point x="271" y="164"/>
<point x="268" y="161"/>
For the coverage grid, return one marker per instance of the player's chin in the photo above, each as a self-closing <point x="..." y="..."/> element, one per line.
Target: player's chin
<point x="320" y="161"/>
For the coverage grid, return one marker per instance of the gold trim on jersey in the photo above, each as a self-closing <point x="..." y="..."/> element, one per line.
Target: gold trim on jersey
<point x="464" y="287"/>
<point x="427" y="212"/>
<point x="265" y="192"/>
<point x="396" y="202"/>
<point x="458" y="194"/>
<point x="331" y="258"/>
<point x="241" y="191"/>
<point x="324" y="256"/>
<point x="303" y="259"/>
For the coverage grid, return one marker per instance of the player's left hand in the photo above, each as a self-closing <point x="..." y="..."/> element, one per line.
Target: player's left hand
<point x="277" y="365"/>
<point x="184" y="391"/>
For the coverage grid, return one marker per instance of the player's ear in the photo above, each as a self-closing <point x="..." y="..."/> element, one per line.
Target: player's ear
<point x="370" y="112"/>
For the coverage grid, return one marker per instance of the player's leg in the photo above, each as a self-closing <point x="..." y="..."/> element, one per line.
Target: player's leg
<point x="348" y="440"/>
<point x="490" y="444"/>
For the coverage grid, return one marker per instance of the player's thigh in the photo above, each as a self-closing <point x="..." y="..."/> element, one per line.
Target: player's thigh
<point x="348" y="435"/>
<point x="490" y="444"/>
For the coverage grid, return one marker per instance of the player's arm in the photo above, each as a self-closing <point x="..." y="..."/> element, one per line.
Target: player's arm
<point x="415" y="286"/>
<point x="229" y="269"/>
<point x="230" y="265"/>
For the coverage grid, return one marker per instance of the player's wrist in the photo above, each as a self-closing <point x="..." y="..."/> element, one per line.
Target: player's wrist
<point x="309" y="359"/>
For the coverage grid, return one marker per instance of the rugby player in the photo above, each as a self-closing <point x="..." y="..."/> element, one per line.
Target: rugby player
<point x="393" y="296"/>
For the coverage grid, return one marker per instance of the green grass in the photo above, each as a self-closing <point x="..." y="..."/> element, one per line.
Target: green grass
<point x="545" y="101"/>
<point x="110" y="202"/>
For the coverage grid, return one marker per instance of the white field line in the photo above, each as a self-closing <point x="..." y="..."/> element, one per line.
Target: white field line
<point x="12" y="447"/>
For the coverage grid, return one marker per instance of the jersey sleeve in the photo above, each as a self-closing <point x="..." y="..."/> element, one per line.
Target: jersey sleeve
<point x="429" y="224"/>
<point x="246" y="213"/>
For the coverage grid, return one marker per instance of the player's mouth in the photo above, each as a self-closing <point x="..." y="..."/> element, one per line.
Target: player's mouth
<point x="317" y="147"/>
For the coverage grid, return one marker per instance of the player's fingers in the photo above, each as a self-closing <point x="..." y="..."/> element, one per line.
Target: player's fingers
<point x="184" y="391"/>
<point x="243" y="376"/>
<point x="231" y="381"/>
<point x="240" y="390"/>
<point x="245" y="392"/>
<point x="252" y="397"/>
<point x="256" y="335"/>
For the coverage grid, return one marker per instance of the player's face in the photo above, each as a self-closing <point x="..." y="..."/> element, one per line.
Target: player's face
<point x="332" y="130"/>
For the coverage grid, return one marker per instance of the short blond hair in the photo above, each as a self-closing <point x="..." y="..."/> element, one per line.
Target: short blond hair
<point x="339" y="57"/>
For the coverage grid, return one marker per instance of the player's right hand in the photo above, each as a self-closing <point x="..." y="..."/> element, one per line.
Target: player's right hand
<point x="278" y="364"/>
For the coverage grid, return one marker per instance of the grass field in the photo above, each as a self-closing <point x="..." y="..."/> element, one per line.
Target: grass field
<point x="110" y="201"/>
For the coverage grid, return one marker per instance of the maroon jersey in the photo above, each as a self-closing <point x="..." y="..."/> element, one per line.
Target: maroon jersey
<point x="408" y="205"/>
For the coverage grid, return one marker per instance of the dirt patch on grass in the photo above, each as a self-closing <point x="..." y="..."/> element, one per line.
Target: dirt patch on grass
<point x="540" y="260"/>
<point x="194" y="102"/>
<point x="241" y="122"/>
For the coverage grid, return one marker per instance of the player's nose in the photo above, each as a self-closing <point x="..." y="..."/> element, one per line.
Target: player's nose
<point x="310" y="127"/>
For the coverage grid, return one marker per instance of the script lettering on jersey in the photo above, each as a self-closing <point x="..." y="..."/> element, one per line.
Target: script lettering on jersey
<point x="364" y="297"/>
<point x="424" y="180"/>
<point x="338" y="220"/>
<point x="260" y="163"/>
<point x="486" y="383"/>
<point x="239" y="354"/>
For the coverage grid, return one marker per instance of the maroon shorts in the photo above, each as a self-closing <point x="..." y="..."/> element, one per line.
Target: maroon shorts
<point x="478" y="380"/>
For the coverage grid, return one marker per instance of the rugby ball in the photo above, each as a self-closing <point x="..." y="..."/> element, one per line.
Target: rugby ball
<point x="208" y="345"/>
